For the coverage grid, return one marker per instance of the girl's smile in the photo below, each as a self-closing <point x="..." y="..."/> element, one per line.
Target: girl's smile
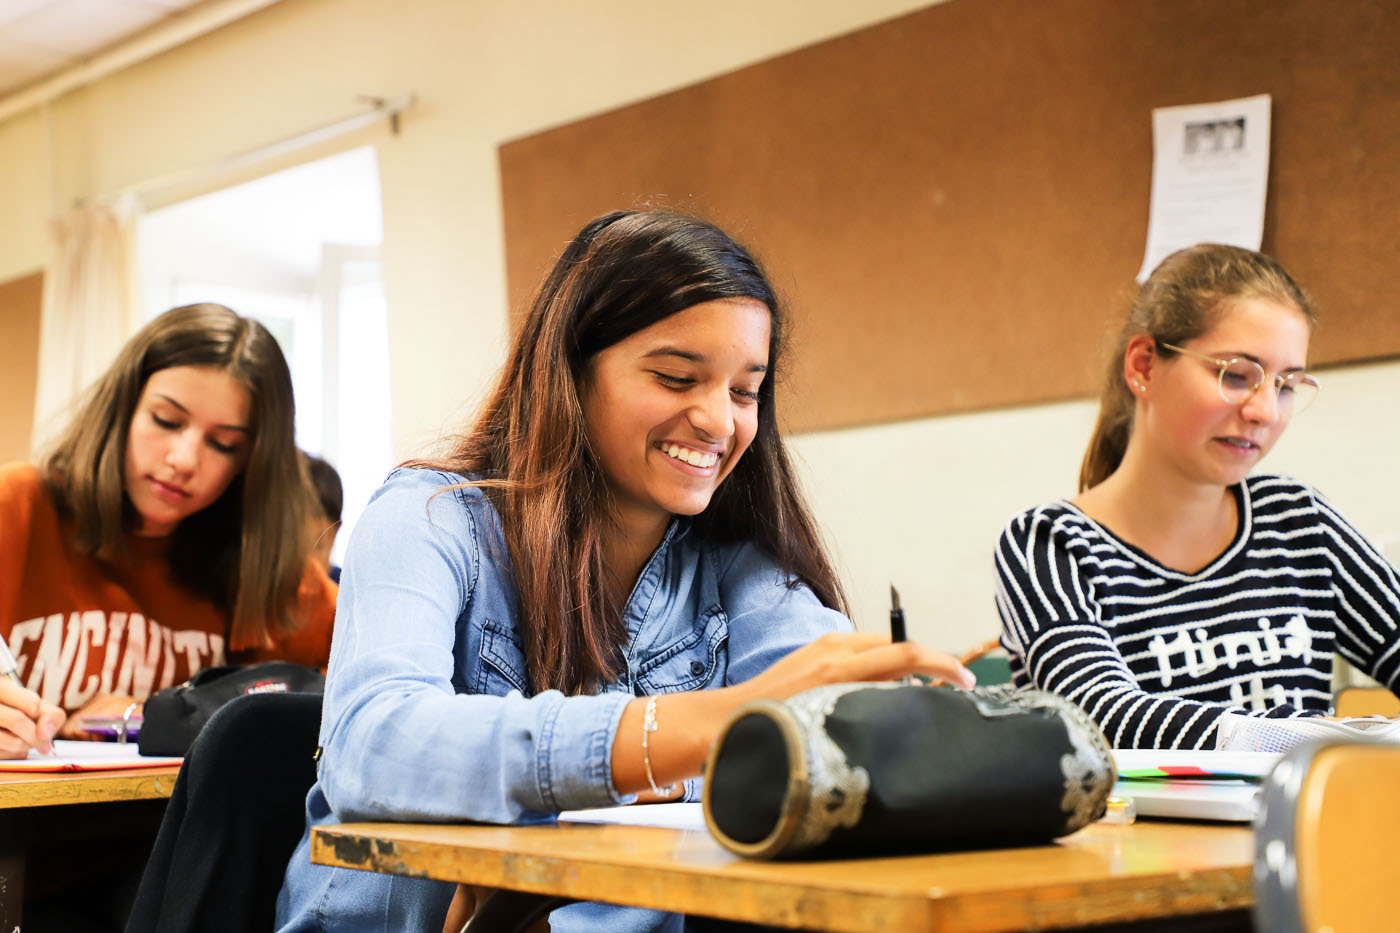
<point x="684" y="457"/>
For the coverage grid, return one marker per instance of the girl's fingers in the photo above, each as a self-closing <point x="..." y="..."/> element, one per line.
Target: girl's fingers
<point x="28" y="720"/>
<point x="26" y="701"/>
<point x="50" y="723"/>
<point x="850" y="657"/>
<point x="877" y="658"/>
<point x="19" y="733"/>
<point x="892" y="661"/>
<point x="944" y="666"/>
<point x="73" y="729"/>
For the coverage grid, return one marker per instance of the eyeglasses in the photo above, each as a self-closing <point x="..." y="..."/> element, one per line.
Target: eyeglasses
<point x="1239" y="379"/>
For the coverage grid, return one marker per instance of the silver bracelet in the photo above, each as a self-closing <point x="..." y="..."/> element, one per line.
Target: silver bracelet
<point x="648" y="727"/>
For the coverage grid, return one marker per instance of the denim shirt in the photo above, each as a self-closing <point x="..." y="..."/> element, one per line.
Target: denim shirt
<point x="430" y="715"/>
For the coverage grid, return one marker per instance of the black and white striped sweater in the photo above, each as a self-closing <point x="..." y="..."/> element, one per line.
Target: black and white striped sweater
<point x="1156" y="656"/>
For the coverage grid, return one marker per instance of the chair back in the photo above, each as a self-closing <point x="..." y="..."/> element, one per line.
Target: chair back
<point x="1325" y="839"/>
<point x="236" y="814"/>
<point x="1367" y="701"/>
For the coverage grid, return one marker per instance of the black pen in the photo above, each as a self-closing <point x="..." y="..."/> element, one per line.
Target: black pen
<point x="897" y="632"/>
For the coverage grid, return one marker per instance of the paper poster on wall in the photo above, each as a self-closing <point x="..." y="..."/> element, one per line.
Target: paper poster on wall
<point x="1210" y="172"/>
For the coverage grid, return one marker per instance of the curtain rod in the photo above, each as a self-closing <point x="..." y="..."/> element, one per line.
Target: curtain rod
<point x="381" y="108"/>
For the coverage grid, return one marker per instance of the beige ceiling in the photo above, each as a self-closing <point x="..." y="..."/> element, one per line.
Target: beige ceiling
<point x="39" y="38"/>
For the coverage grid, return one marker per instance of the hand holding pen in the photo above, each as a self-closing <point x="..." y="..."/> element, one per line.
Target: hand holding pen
<point x="26" y="721"/>
<point x="899" y="634"/>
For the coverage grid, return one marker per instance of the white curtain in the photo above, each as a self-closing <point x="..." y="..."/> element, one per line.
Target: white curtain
<point x="89" y="307"/>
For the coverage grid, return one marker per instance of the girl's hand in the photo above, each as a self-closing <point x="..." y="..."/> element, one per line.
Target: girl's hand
<point x="849" y="657"/>
<point x="691" y="721"/>
<point x="26" y="721"/>
<point x="102" y="706"/>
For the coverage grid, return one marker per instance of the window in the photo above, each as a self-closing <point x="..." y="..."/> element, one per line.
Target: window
<point x="299" y="251"/>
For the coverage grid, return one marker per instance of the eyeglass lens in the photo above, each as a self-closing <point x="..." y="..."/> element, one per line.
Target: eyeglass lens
<point x="1240" y="379"/>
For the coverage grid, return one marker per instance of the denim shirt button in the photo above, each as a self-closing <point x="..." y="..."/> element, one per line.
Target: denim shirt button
<point x="697" y="668"/>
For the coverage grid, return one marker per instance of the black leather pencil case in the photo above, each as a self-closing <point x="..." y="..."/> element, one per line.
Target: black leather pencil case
<point x="853" y="769"/>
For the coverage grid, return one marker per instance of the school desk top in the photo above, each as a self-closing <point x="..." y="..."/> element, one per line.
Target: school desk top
<point x="47" y="788"/>
<point x="1101" y="874"/>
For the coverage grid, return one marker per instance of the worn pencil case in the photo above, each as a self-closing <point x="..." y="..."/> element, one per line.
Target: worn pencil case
<point x="851" y="769"/>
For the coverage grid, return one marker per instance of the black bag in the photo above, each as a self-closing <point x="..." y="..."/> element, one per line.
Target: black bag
<point x="174" y="716"/>
<point x="850" y="769"/>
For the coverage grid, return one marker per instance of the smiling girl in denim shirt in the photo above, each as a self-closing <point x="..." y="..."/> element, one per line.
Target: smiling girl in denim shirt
<point x="620" y="524"/>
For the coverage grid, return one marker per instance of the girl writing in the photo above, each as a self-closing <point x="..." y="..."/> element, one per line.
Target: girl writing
<point x="1182" y="601"/>
<point x="164" y="533"/>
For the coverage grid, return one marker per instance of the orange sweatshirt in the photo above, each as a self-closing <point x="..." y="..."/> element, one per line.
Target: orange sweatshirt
<point x="80" y="628"/>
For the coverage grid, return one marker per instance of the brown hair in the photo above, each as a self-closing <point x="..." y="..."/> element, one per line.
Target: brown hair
<point x="1182" y="299"/>
<point x="529" y="448"/>
<point x="247" y="551"/>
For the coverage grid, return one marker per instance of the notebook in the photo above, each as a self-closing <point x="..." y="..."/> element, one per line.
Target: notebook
<point x="1225" y="801"/>
<point x="72" y="755"/>
<point x="1193" y="785"/>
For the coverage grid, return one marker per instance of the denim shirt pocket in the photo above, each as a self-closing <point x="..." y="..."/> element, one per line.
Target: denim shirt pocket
<point x="502" y="667"/>
<point x="692" y="662"/>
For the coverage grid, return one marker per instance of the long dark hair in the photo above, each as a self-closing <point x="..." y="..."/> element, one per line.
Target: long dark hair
<point x="529" y="447"/>
<point x="246" y="552"/>
<point x="1182" y="299"/>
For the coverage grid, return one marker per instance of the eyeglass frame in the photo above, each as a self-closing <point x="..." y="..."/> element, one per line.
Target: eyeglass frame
<point x="1225" y="363"/>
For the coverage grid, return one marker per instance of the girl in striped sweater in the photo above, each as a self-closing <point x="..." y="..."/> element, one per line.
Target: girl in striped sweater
<point x="1181" y="601"/>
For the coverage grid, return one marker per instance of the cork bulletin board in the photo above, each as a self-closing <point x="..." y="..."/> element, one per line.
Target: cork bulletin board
<point x="954" y="203"/>
<point x="20" y="304"/>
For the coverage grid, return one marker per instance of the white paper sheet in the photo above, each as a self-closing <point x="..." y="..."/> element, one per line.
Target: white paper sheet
<point x="667" y="815"/>
<point x="1210" y="173"/>
<point x="72" y="755"/>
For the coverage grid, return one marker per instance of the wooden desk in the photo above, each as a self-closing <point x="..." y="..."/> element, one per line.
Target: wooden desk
<point x="28" y="799"/>
<point x="1103" y="874"/>
<point x="47" y="789"/>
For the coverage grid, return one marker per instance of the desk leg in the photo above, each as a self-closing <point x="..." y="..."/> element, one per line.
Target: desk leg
<point x="11" y="872"/>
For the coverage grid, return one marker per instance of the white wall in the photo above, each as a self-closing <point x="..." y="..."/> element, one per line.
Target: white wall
<point x="24" y="193"/>
<point x="918" y="504"/>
